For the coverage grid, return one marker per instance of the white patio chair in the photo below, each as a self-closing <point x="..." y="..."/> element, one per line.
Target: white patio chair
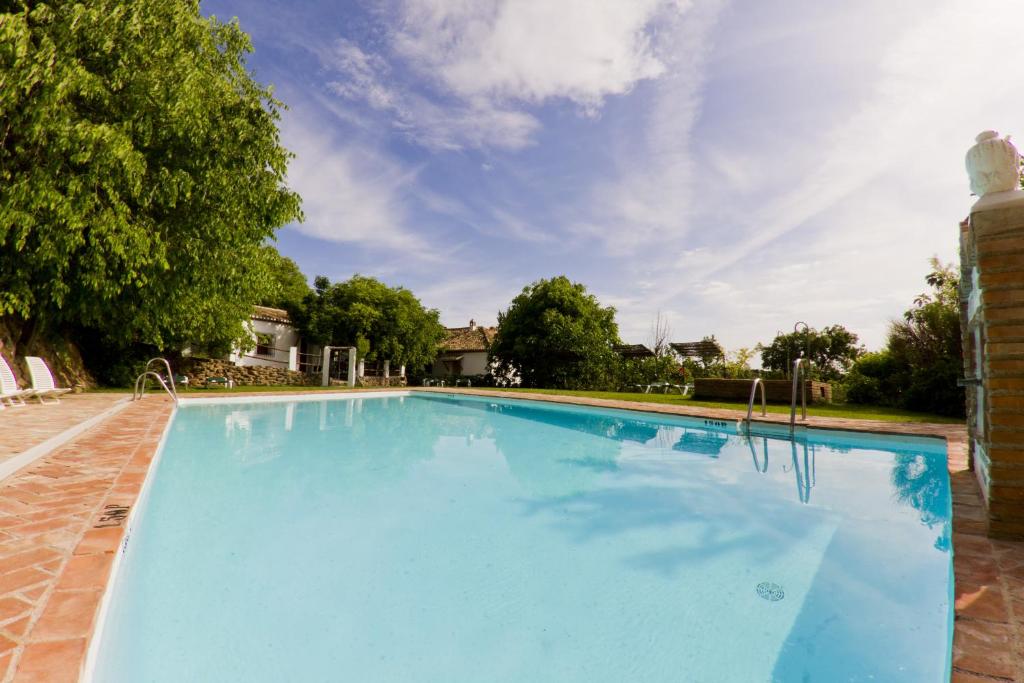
<point x="43" y="385"/>
<point x="10" y="392"/>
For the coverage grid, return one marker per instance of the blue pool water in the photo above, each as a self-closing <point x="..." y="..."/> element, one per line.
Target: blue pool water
<point x="428" y="538"/>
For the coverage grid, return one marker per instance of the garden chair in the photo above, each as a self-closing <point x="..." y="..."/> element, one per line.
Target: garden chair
<point x="43" y="385"/>
<point x="10" y="392"/>
<point x="225" y="382"/>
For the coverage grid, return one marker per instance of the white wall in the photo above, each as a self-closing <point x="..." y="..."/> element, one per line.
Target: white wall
<point x="284" y="337"/>
<point x="473" y="363"/>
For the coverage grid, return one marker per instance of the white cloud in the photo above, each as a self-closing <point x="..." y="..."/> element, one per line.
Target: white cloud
<point x="363" y="74"/>
<point x="508" y="225"/>
<point x="349" y="195"/>
<point x="649" y="199"/>
<point x="833" y="222"/>
<point x="489" y="294"/>
<point x="480" y="62"/>
<point x="533" y="50"/>
<point x="435" y="123"/>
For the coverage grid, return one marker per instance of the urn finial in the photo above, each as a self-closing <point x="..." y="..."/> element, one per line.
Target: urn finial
<point x="993" y="164"/>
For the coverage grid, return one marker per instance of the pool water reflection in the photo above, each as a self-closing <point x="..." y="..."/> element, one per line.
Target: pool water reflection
<point x="429" y="538"/>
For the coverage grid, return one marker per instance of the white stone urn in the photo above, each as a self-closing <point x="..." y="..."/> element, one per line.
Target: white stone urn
<point x="993" y="164"/>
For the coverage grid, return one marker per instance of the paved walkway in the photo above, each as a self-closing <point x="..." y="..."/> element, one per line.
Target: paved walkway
<point x="22" y="428"/>
<point x="61" y="523"/>
<point x="988" y="644"/>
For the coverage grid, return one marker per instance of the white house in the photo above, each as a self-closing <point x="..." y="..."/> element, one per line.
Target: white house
<point x="464" y="351"/>
<point x="274" y="339"/>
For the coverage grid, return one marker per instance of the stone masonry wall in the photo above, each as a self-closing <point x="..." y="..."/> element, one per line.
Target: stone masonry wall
<point x="994" y="244"/>
<point x="381" y="382"/>
<point x="776" y="390"/>
<point x="198" y="369"/>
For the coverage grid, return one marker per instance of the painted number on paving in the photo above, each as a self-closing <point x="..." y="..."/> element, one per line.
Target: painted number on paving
<point x="113" y="515"/>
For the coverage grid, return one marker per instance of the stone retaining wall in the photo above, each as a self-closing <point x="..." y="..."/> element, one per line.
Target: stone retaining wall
<point x="381" y="382"/>
<point x="775" y="390"/>
<point x="198" y="369"/>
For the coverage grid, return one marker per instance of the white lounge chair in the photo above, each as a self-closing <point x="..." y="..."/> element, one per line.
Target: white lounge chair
<point x="43" y="385"/>
<point x="10" y="392"/>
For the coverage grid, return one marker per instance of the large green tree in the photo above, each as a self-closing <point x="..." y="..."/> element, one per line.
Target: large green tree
<point x="832" y="351"/>
<point x="556" y="334"/>
<point x="288" y="285"/>
<point x="385" y="323"/>
<point x="140" y="172"/>
<point x="926" y="347"/>
<point x="922" y="360"/>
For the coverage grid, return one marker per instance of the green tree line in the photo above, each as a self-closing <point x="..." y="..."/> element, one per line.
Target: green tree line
<point x="141" y="174"/>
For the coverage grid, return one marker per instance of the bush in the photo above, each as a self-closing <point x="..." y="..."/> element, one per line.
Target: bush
<point x="874" y="379"/>
<point x="645" y="371"/>
<point x="555" y="334"/>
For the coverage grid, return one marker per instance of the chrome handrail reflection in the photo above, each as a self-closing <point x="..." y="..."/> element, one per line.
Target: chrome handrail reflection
<point x="805" y="478"/>
<point x="753" y="454"/>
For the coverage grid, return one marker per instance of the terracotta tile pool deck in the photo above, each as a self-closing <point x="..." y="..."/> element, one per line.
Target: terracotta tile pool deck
<point x="62" y="522"/>
<point x="34" y="424"/>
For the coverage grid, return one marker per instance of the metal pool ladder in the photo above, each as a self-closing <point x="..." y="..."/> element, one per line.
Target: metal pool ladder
<point x="801" y="370"/>
<point x="753" y="394"/>
<point x="142" y="380"/>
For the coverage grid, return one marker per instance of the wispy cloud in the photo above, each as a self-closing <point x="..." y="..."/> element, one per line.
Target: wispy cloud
<point x="650" y="197"/>
<point x="437" y="123"/>
<point x="735" y="166"/>
<point x="479" y="66"/>
<point x="350" y="195"/>
<point x="833" y="222"/>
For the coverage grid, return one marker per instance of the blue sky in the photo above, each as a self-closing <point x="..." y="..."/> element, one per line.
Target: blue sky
<point x="737" y="166"/>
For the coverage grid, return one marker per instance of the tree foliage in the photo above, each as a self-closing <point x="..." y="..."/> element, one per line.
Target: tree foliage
<point x="140" y="171"/>
<point x="919" y="367"/>
<point x="384" y="323"/>
<point x="288" y="285"/>
<point x="555" y="334"/>
<point x="926" y="345"/>
<point x="831" y="350"/>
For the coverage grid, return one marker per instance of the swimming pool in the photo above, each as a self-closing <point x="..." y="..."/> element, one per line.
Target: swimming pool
<point x="436" y="538"/>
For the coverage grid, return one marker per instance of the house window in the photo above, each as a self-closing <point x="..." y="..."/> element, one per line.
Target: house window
<point x="264" y="344"/>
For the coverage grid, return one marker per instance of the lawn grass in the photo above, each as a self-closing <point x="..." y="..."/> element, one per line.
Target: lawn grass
<point x="845" y="410"/>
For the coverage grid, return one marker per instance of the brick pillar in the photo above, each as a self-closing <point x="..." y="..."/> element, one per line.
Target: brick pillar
<point x="992" y="303"/>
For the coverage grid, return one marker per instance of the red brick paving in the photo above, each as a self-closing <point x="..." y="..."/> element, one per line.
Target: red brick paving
<point x="55" y="553"/>
<point x="34" y="423"/>
<point x="54" y="563"/>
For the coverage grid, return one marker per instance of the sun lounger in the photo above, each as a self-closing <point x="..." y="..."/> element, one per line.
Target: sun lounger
<point x="43" y="386"/>
<point x="664" y="386"/>
<point x="10" y="392"/>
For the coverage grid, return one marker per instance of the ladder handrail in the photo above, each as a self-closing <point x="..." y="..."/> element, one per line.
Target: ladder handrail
<point x="753" y="394"/>
<point x="139" y="392"/>
<point x="800" y="370"/>
<point x="170" y="375"/>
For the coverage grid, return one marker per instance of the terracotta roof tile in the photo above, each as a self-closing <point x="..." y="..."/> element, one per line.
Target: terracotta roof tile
<point x="274" y="315"/>
<point x="469" y="338"/>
